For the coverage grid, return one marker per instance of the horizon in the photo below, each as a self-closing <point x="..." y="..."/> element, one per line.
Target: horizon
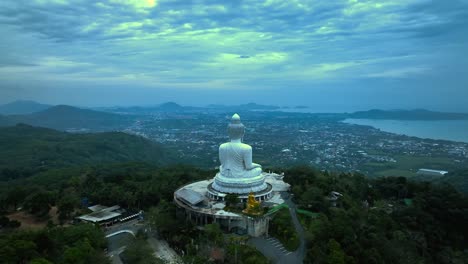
<point x="340" y="56"/>
<point x="289" y="108"/>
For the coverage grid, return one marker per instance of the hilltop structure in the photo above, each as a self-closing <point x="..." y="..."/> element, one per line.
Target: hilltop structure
<point x="204" y="202"/>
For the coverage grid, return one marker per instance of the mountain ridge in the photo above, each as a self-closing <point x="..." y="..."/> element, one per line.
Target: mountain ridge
<point x="65" y="117"/>
<point x="22" y="107"/>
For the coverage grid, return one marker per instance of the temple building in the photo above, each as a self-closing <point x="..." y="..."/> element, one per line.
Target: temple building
<point x="204" y="202"/>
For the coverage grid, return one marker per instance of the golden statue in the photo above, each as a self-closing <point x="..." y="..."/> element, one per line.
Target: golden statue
<point x="253" y="206"/>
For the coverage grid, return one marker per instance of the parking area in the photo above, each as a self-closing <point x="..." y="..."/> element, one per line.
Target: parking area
<point x="277" y="244"/>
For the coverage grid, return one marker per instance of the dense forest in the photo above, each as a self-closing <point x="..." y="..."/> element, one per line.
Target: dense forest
<point x="387" y="220"/>
<point x="78" y="244"/>
<point x="28" y="150"/>
<point x="383" y="220"/>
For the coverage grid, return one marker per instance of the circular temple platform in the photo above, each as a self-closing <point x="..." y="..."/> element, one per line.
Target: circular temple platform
<point x="259" y="196"/>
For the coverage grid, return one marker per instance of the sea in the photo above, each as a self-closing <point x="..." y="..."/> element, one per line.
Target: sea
<point x="454" y="130"/>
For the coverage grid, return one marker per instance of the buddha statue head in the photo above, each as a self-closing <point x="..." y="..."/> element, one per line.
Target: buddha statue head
<point x="236" y="129"/>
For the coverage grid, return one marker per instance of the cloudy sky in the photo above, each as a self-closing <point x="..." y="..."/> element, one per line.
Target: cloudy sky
<point x="332" y="55"/>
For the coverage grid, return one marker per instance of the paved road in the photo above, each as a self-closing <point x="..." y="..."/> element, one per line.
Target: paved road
<point x="297" y="225"/>
<point x="274" y="250"/>
<point x="133" y="226"/>
<point x="118" y="242"/>
<point x="163" y="251"/>
<point x="114" y="255"/>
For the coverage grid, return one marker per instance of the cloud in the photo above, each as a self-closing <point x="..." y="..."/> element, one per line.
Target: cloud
<point x="138" y="5"/>
<point x="400" y="72"/>
<point x="234" y="44"/>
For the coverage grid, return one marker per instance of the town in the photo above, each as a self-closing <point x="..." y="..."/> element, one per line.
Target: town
<point x="284" y="139"/>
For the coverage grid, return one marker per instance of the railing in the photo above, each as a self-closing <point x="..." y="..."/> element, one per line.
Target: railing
<point x="121" y="232"/>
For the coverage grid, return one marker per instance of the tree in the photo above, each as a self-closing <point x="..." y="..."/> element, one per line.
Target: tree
<point x="40" y="261"/>
<point x="38" y="203"/>
<point x="24" y="250"/>
<point x="4" y="221"/>
<point x="74" y="255"/>
<point x="14" y="224"/>
<point x="231" y="199"/>
<point x="140" y="252"/>
<point x="15" y="196"/>
<point x="335" y="253"/>
<point x="161" y="217"/>
<point x="66" y="206"/>
<point x="214" y="233"/>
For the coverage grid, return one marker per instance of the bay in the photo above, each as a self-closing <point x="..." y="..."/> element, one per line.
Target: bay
<point x="454" y="130"/>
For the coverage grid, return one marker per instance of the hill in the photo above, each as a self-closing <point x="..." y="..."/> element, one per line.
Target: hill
<point x="26" y="150"/>
<point x="170" y="106"/>
<point x="22" y="108"/>
<point x="244" y="107"/>
<point x="417" y="114"/>
<point x="63" y="117"/>
<point x="5" y="121"/>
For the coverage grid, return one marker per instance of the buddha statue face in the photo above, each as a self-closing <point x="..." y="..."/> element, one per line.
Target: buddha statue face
<point x="236" y="129"/>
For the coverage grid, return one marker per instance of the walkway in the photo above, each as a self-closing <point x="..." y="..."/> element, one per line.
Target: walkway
<point x="115" y="255"/>
<point x="273" y="249"/>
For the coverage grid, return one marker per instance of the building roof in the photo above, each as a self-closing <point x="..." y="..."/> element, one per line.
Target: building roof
<point x="101" y="213"/>
<point x="189" y="196"/>
<point x="432" y="171"/>
<point x="97" y="207"/>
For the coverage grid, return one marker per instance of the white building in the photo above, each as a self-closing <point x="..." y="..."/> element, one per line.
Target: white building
<point x="429" y="172"/>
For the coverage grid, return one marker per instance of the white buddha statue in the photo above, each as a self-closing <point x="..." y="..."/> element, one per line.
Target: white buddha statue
<point x="235" y="156"/>
<point x="237" y="173"/>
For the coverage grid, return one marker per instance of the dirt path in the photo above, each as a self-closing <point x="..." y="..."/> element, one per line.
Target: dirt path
<point x="29" y="221"/>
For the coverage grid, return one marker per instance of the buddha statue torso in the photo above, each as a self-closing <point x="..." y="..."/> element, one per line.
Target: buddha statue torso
<point x="236" y="160"/>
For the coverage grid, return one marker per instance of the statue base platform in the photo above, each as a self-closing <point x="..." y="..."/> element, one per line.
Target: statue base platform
<point x="239" y="185"/>
<point x="262" y="195"/>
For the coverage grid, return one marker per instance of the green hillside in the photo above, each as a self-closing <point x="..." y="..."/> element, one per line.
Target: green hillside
<point x="5" y="121"/>
<point x="63" y="117"/>
<point x="27" y="150"/>
<point x="457" y="178"/>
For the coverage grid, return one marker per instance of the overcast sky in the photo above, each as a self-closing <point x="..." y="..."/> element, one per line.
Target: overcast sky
<point x="331" y="55"/>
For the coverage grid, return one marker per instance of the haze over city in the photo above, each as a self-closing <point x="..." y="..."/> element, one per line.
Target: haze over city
<point x="332" y="56"/>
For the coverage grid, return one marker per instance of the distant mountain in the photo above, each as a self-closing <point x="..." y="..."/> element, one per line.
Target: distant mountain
<point x="145" y="110"/>
<point x="63" y="117"/>
<point x="170" y="106"/>
<point x="244" y="107"/>
<point x="417" y="114"/>
<point x="22" y="107"/>
<point x="26" y="150"/>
